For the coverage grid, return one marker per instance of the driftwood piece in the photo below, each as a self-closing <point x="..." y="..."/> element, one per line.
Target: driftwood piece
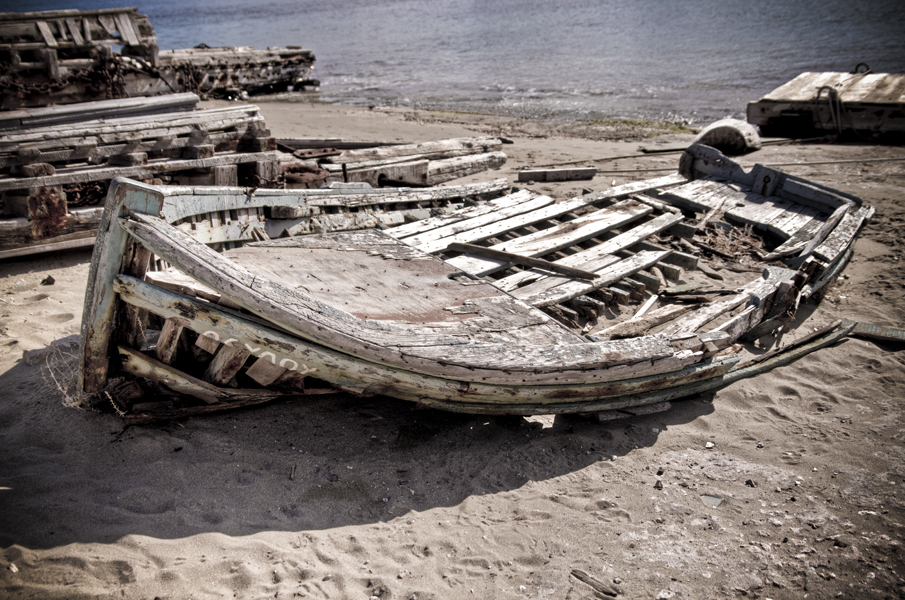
<point x="596" y="584"/>
<point x="541" y="175"/>
<point x="875" y="332"/>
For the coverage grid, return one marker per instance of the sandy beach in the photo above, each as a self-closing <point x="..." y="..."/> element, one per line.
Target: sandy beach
<point x="802" y="494"/>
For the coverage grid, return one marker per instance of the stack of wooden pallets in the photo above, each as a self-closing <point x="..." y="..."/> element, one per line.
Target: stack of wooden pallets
<point x="56" y="162"/>
<point x="68" y="56"/>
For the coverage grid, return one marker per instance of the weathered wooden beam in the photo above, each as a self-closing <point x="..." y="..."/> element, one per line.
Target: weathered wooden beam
<point x="542" y="175"/>
<point x="168" y="341"/>
<point x="518" y="259"/>
<point x="227" y="362"/>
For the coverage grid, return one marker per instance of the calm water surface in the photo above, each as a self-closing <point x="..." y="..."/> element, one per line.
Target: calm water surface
<point x="696" y="60"/>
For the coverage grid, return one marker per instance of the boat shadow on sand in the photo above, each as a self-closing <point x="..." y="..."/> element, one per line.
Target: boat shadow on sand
<point x="302" y="465"/>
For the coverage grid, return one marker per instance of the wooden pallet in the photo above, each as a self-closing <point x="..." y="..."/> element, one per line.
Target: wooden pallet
<point x="53" y="166"/>
<point x="863" y="103"/>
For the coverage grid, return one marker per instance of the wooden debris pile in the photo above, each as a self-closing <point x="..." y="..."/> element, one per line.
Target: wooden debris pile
<point x="68" y="56"/>
<point x="411" y="165"/>
<point x="56" y="162"/>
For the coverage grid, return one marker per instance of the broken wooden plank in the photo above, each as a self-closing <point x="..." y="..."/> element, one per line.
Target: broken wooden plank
<point x="140" y="365"/>
<point x="599" y="256"/>
<point x="542" y="293"/>
<point x="875" y="332"/>
<point x="520" y="260"/>
<point x="560" y="236"/>
<point x="227" y="362"/>
<point x="479" y="227"/>
<point x="842" y="235"/>
<point x="641" y="325"/>
<point x="168" y="341"/>
<point x="447" y="169"/>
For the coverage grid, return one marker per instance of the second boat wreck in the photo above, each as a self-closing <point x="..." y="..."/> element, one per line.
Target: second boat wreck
<point x="512" y="304"/>
<point x="68" y="56"/>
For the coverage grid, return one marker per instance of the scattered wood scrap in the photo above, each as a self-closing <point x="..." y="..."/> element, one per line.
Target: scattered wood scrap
<point x="541" y="175"/>
<point x="424" y="164"/>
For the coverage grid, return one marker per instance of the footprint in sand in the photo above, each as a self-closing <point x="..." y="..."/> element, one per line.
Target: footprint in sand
<point x="60" y="318"/>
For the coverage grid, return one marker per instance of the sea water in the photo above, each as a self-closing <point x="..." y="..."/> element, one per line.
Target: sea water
<point x="692" y="61"/>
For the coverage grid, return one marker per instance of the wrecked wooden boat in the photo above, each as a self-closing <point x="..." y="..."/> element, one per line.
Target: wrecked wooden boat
<point x="514" y="305"/>
<point x="68" y="56"/>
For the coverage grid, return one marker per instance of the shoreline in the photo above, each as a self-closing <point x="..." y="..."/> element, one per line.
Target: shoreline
<point x="344" y="497"/>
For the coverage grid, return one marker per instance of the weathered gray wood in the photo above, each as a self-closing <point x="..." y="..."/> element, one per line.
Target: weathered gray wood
<point x="126" y="29"/>
<point x="599" y="256"/>
<point x="641" y="325"/>
<point x="521" y="260"/>
<point x="520" y="202"/>
<point x="46" y="34"/>
<point x="412" y="172"/>
<point x="541" y="293"/>
<point x="430" y="150"/>
<point x="168" y="341"/>
<point x="99" y="312"/>
<point x="837" y="241"/>
<point x="141" y="365"/>
<point x="440" y="171"/>
<point x="109" y="117"/>
<point x="81" y="175"/>
<point x="786" y="356"/>
<point x="757" y="290"/>
<point x="342" y="369"/>
<point x="81" y="242"/>
<point x="560" y="236"/>
<point x="227" y="362"/>
<point x="131" y="322"/>
<point x="542" y="175"/>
